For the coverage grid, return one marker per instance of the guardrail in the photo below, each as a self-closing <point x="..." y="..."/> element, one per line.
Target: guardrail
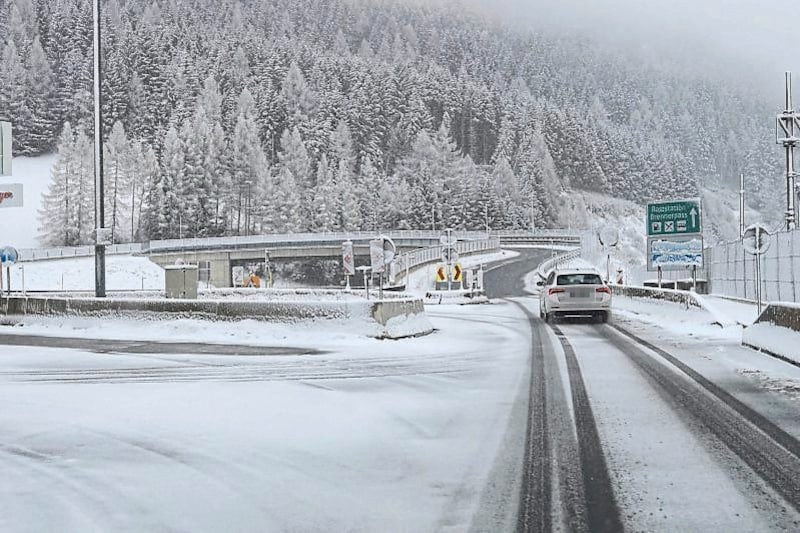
<point x="687" y="298"/>
<point x="545" y="268"/>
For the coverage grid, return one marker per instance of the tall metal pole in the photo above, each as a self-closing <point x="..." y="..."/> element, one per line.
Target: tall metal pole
<point x="789" y="142"/>
<point x="99" y="201"/>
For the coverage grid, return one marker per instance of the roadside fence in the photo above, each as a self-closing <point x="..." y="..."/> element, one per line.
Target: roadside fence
<point x="732" y="271"/>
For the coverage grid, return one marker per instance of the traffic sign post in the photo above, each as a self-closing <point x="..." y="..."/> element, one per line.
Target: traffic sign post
<point x="674" y="218"/>
<point x="756" y="242"/>
<point x="348" y="262"/>
<point x="674" y="236"/>
<point x="8" y="256"/>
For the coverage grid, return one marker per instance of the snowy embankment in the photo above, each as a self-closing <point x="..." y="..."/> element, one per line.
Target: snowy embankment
<point x="777" y="331"/>
<point x="395" y="317"/>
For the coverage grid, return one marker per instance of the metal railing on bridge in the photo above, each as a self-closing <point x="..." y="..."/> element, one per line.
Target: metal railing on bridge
<point x="407" y="261"/>
<point x="420" y="238"/>
<point x="39" y="254"/>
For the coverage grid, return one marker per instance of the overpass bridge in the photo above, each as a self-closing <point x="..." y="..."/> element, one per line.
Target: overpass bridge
<point x="218" y="255"/>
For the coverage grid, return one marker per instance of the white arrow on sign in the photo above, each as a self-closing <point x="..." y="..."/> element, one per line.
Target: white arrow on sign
<point x="693" y="214"/>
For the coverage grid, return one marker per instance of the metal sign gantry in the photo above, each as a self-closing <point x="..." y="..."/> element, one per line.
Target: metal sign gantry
<point x="787" y="127"/>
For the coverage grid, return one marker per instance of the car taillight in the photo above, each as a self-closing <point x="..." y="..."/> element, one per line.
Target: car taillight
<point x="555" y="291"/>
<point x="606" y="290"/>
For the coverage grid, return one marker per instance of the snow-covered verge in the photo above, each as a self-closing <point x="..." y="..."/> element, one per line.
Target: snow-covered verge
<point x="777" y="331"/>
<point x="136" y="284"/>
<point x="385" y="319"/>
<point x="675" y="317"/>
<point x="123" y="273"/>
<point x="776" y="340"/>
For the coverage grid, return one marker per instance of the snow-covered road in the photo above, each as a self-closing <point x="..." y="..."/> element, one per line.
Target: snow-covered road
<point x="377" y="436"/>
<point x="681" y="459"/>
<point x="659" y="421"/>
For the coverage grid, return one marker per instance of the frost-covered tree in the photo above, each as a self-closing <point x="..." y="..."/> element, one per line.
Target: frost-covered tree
<point x="66" y="215"/>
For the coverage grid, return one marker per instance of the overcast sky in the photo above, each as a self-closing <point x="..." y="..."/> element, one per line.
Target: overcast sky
<point x="754" y="40"/>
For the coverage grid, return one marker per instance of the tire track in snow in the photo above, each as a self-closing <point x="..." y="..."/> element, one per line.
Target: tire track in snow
<point x="768" y="451"/>
<point x="566" y="476"/>
<point x="602" y="511"/>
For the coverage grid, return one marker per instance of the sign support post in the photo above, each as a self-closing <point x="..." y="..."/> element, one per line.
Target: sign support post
<point x="756" y="242"/>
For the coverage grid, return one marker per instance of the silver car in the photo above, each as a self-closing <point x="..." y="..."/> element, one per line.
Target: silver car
<point x="574" y="293"/>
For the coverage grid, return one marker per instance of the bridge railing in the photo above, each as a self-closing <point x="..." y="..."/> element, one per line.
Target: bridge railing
<point x="545" y="268"/>
<point x="39" y="254"/>
<point x="253" y="241"/>
<point x="433" y="254"/>
<point x="331" y="237"/>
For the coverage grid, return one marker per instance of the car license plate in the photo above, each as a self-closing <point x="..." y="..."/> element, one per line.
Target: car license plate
<point x="580" y="293"/>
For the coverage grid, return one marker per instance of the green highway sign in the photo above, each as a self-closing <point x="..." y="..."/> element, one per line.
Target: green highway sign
<point x="674" y="218"/>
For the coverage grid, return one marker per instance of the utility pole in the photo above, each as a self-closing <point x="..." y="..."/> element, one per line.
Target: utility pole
<point x="99" y="200"/>
<point x="787" y="124"/>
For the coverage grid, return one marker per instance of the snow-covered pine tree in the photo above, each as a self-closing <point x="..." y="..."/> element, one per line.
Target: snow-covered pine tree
<point x="55" y="214"/>
<point x="118" y="163"/>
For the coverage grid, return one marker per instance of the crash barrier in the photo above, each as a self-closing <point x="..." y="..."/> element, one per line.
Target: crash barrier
<point x="383" y="312"/>
<point x="786" y="315"/>
<point x="732" y="272"/>
<point x="687" y="298"/>
<point x="776" y="332"/>
<point x="700" y="287"/>
<point x="545" y="267"/>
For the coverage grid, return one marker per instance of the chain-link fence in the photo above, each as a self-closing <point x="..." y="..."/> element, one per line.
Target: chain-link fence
<point x="732" y="271"/>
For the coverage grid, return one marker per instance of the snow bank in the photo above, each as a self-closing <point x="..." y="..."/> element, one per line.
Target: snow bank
<point x="776" y="340"/>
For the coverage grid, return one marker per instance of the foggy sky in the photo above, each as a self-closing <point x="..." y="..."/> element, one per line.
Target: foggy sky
<point x="749" y="40"/>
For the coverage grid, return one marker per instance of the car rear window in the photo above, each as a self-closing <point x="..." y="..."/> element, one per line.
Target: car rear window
<point x="579" y="279"/>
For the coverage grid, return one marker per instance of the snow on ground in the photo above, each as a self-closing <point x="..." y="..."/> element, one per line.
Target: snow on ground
<point x="34" y="175"/>
<point x="775" y="339"/>
<point x="123" y="273"/>
<point x="675" y="318"/>
<point x="717" y="354"/>
<point x="369" y="436"/>
<point x="738" y="311"/>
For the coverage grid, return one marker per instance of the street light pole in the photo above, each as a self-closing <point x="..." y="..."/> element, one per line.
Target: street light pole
<point x="99" y="200"/>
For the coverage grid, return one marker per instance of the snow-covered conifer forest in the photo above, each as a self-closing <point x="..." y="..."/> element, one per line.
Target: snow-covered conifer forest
<point x="227" y="117"/>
